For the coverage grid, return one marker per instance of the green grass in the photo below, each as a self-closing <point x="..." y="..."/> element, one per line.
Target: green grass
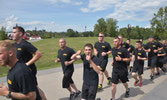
<point x="49" y="48"/>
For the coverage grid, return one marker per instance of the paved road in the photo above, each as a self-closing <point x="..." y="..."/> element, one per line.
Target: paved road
<point x="50" y="82"/>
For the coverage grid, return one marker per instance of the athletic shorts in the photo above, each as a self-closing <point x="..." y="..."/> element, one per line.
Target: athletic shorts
<point x="152" y="61"/>
<point x="128" y="63"/>
<point x="160" y="62"/>
<point x="103" y="65"/>
<point x="67" y="79"/>
<point x="34" y="73"/>
<point x="123" y="76"/>
<point x="138" y="68"/>
<point x="89" y="91"/>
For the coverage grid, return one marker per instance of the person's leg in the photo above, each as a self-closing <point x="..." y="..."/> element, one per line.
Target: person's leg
<point x="135" y="76"/>
<point x="126" y="86"/>
<point x="101" y="78"/>
<point x="74" y="87"/>
<point x="70" y="90"/>
<point x="140" y="78"/>
<point x="152" y="71"/>
<point x="92" y="92"/>
<point x="157" y="68"/>
<point x="113" y="90"/>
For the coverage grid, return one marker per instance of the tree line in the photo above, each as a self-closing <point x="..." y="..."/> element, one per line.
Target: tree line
<point x="109" y="27"/>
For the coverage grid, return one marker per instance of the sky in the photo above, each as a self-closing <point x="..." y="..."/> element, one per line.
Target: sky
<point x="60" y="15"/>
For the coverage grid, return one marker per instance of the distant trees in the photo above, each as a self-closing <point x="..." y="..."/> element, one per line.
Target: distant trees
<point x="159" y="23"/>
<point x="108" y="27"/>
<point x="3" y="36"/>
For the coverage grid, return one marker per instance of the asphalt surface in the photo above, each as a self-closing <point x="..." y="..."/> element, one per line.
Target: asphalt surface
<point x="50" y="81"/>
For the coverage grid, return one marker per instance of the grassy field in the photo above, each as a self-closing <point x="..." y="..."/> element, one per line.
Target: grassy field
<point x="49" y="48"/>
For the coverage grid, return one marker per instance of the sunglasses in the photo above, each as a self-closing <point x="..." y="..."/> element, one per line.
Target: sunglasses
<point x="101" y="36"/>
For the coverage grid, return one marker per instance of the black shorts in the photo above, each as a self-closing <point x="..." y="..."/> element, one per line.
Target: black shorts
<point x="123" y="76"/>
<point x="138" y="68"/>
<point x="128" y="63"/>
<point x="103" y="65"/>
<point x="152" y="61"/>
<point x="34" y="73"/>
<point x="89" y="91"/>
<point x="67" y="79"/>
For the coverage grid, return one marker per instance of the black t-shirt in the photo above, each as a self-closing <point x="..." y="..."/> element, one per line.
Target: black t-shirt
<point x="120" y="66"/>
<point x="162" y="51"/>
<point x="90" y="77"/>
<point x="102" y="47"/>
<point x="125" y="45"/>
<point x="141" y="53"/>
<point x="132" y="48"/>
<point x="65" y="55"/>
<point x="153" y="46"/>
<point x="165" y="48"/>
<point x="21" y="80"/>
<point x="25" y="51"/>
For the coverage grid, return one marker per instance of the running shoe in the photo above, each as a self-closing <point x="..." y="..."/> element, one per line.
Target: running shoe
<point x="77" y="94"/>
<point x="109" y="80"/>
<point x="72" y="96"/>
<point x="98" y="99"/>
<point x="127" y="93"/>
<point x="157" y="74"/>
<point x="164" y="69"/>
<point x="99" y="87"/>
<point x="135" y="83"/>
<point x="140" y="84"/>
<point x="151" y="77"/>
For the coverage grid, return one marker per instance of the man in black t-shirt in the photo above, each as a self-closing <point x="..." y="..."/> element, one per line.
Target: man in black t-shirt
<point x="92" y="68"/>
<point x="27" y="53"/>
<point x="164" y="44"/>
<point x="123" y="44"/>
<point x="19" y="78"/>
<point x="131" y="50"/>
<point x="102" y="49"/>
<point x="120" y="58"/>
<point x="138" y="66"/>
<point x="64" y="56"/>
<point x="152" y="48"/>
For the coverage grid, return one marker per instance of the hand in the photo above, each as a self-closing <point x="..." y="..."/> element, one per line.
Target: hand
<point x="158" y="55"/>
<point x="79" y="52"/>
<point x="118" y="58"/>
<point x="103" y="53"/>
<point x="3" y="90"/>
<point x="56" y="61"/>
<point x="66" y="63"/>
<point x="138" y="57"/>
<point x="155" y="51"/>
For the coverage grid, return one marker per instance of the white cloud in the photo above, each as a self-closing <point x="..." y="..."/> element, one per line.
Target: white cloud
<point x="137" y="10"/>
<point x="78" y="3"/>
<point x="56" y="1"/>
<point x="48" y="26"/>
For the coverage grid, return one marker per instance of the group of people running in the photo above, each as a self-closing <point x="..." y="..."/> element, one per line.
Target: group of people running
<point x="22" y="55"/>
<point x="95" y="60"/>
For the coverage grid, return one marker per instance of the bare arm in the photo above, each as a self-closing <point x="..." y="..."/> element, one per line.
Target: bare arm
<point x="95" y="51"/>
<point x="118" y="58"/>
<point x="29" y="96"/>
<point x="57" y="60"/>
<point x="36" y="57"/>
<point x="76" y="56"/>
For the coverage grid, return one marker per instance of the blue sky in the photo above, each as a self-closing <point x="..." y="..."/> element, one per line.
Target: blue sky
<point x="60" y="15"/>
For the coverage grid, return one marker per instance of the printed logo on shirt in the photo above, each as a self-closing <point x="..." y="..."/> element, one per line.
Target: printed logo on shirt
<point x="159" y="51"/>
<point x="103" y="46"/>
<point x="19" y="49"/>
<point x="119" y="53"/>
<point x="154" y="46"/>
<point x="64" y="54"/>
<point x="91" y="66"/>
<point x="123" y="45"/>
<point x="139" y="53"/>
<point x="9" y="81"/>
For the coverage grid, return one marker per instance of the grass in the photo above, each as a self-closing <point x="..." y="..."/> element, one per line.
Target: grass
<point x="49" y="48"/>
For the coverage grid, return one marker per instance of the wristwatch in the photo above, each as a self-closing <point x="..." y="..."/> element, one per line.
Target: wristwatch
<point x="9" y="95"/>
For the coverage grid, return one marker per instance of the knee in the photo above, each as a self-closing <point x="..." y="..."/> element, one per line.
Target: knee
<point x="133" y="74"/>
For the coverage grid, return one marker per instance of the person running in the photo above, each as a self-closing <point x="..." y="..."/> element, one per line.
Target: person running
<point x="161" y="57"/>
<point x="139" y="55"/>
<point x="131" y="50"/>
<point x="123" y="44"/>
<point x="27" y="52"/>
<point x="164" y="44"/>
<point x="152" y="49"/>
<point x="120" y="71"/>
<point x="64" y="56"/>
<point x="91" y="65"/>
<point x="102" y="49"/>
<point x="20" y="80"/>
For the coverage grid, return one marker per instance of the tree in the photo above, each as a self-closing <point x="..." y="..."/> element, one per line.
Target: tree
<point x="3" y="36"/>
<point x="100" y="26"/>
<point x="159" y="23"/>
<point x="111" y="27"/>
<point x="72" y="33"/>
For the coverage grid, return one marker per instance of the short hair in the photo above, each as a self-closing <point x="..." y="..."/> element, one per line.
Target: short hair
<point x="89" y="45"/>
<point x="139" y="42"/>
<point x="151" y="37"/>
<point x="63" y="39"/>
<point x="128" y="39"/>
<point x="8" y="45"/>
<point x="117" y="38"/>
<point x="20" y="29"/>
